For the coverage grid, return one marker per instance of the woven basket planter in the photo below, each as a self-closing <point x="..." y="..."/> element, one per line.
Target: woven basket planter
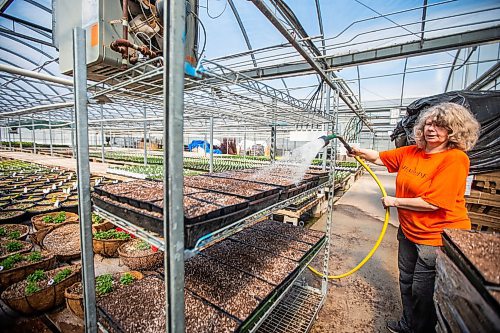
<point x="39" y="224"/>
<point x="106" y="225"/>
<point x="108" y="247"/>
<point x="45" y="299"/>
<point x="148" y="261"/>
<point x="17" y="274"/>
<point x="63" y="254"/>
<point x="74" y="301"/>
<point x="27" y="246"/>
<point x="23" y="230"/>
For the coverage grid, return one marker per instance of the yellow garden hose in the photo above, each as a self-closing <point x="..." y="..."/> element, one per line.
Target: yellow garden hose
<point x="380" y="237"/>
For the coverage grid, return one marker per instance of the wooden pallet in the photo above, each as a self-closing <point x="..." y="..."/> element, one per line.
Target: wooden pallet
<point x="484" y="217"/>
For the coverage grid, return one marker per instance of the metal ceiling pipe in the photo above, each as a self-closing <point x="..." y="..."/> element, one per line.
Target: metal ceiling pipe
<point x="264" y="9"/>
<point x="35" y="75"/>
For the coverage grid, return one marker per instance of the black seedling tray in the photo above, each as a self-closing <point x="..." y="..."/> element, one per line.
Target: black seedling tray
<point x="243" y="183"/>
<point x="470" y="271"/>
<point x="224" y="209"/>
<point x="193" y="228"/>
<point x="262" y="203"/>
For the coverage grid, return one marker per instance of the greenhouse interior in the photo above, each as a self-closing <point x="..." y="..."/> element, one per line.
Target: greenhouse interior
<point x="249" y="166"/>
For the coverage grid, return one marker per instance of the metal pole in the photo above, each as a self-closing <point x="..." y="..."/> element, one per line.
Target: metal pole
<point x="20" y="137"/>
<point x="173" y="212"/>
<point x="73" y="149"/>
<point x="245" y="146"/>
<point x="327" y="111"/>
<point x="8" y="134"/>
<point x="211" y="161"/>
<point x="273" y="144"/>
<point x="103" y="154"/>
<point x="145" y="139"/>
<point x="50" y="135"/>
<point x="83" y="171"/>
<point x="33" y="134"/>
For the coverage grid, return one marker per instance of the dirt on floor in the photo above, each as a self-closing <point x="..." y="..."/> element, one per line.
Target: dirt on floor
<point x="366" y="300"/>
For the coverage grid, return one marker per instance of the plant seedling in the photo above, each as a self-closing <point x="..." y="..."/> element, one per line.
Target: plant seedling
<point x="61" y="275"/>
<point x="14" y="234"/>
<point x="13" y="246"/>
<point x="34" y="256"/>
<point x="10" y="261"/>
<point x="96" y="219"/>
<point x="31" y="288"/>
<point x="104" y="284"/>
<point x="127" y="279"/>
<point x="38" y="275"/>
<point x="3" y="232"/>
<point x="142" y="245"/>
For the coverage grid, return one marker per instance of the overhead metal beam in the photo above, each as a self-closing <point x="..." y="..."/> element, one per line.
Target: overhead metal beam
<point x="4" y="4"/>
<point x="487" y="77"/>
<point x="399" y="51"/>
<point x="24" y="22"/>
<point x="35" y="75"/>
<point x="308" y="58"/>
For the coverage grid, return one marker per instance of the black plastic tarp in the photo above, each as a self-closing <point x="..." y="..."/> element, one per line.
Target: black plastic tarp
<point x="485" y="105"/>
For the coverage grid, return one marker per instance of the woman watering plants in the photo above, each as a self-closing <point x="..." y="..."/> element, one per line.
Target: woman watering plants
<point x="430" y="188"/>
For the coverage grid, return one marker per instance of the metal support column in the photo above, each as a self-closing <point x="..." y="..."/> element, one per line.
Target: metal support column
<point x="50" y="135"/>
<point x="73" y="148"/>
<point x="19" y="130"/>
<point x="245" y="146"/>
<point x="103" y="154"/>
<point x="174" y="15"/>
<point x="8" y="134"/>
<point x="329" y="218"/>
<point x="83" y="171"/>
<point x="327" y="111"/>
<point x="145" y="138"/>
<point x="33" y="134"/>
<point x="273" y="144"/>
<point x="211" y="161"/>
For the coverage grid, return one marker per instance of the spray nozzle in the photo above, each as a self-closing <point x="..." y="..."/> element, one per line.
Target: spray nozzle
<point x="328" y="138"/>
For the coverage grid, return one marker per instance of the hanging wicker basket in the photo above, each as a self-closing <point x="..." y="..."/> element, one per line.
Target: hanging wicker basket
<point x="45" y="299"/>
<point x="11" y="276"/>
<point x="108" y="247"/>
<point x="23" y="230"/>
<point x="39" y="224"/>
<point x="148" y="261"/>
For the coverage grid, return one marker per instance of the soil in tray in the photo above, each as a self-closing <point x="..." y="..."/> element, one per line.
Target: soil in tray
<point x="64" y="240"/>
<point x="266" y="265"/>
<point x="219" y="199"/>
<point x="19" y="206"/>
<point x="298" y="233"/>
<point x="234" y="291"/>
<point x="259" y="178"/>
<point x="120" y="189"/>
<point x="240" y="188"/>
<point x="274" y="243"/>
<point x="195" y="209"/>
<point x="132" y="309"/>
<point x="481" y="249"/>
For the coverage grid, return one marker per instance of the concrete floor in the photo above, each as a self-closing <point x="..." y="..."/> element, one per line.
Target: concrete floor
<point x="364" y="301"/>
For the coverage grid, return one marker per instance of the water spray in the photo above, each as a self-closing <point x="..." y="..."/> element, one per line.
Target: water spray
<point x="327" y="139"/>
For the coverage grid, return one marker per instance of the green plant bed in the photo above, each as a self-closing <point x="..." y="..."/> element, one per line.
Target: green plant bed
<point x="43" y="221"/>
<point x="13" y="231"/>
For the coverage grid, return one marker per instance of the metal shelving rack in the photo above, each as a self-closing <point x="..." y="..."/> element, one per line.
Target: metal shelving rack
<point x="241" y="100"/>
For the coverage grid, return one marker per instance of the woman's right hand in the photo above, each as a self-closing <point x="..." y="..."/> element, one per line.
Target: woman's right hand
<point x="354" y="152"/>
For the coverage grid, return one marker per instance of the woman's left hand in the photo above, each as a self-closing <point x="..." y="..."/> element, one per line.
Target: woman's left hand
<point x="389" y="201"/>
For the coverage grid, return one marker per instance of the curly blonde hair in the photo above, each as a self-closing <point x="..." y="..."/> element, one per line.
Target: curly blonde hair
<point x="463" y="128"/>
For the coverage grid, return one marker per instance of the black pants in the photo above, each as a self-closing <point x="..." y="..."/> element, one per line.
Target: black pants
<point x="417" y="272"/>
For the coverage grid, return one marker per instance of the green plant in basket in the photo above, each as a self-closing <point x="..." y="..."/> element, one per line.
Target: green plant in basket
<point x="10" y="261"/>
<point x="36" y="276"/>
<point x="96" y="219"/>
<point x="126" y="279"/>
<point x="14" y="234"/>
<point x="104" y="284"/>
<point x="31" y="288"/>
<point x="33" y="256"/>
<point x="3" y="232"/>
<point x="111" y="234"/>
<point x="60" y="218"/>
<point x="61" y="275"/>
<point x="142" y="245"/>
<point x="48" y="219"/>
<point x="13" y="246"/>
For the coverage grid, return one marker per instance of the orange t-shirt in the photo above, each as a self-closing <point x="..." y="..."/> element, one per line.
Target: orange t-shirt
<point x="439" y="179"/>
